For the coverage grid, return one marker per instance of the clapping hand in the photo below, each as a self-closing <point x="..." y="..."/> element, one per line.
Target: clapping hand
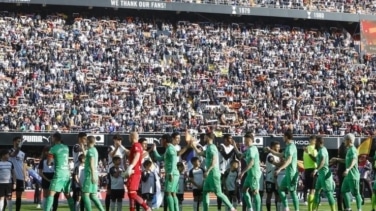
<point x="188" y="138"/>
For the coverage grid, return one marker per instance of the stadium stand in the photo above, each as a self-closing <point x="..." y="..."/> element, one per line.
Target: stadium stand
<point x="66" y="73"/>
<point x="354" y="7"/>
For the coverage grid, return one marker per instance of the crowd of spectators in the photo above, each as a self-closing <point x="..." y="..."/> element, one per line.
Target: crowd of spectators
<point x="118" y="75"/>
<point x="342" y="6"/>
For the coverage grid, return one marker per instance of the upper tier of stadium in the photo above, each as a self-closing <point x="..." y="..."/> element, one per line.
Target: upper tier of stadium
<point x="134" y="71"/>
<point x="334" y="10"/>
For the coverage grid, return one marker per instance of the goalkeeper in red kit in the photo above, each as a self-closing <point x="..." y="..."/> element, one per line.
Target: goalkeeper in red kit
<point x="133" y="173"/>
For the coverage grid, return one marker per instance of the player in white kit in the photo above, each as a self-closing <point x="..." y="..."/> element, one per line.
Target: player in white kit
<point x="118" y="150"/>
<point x="271" y="179"/>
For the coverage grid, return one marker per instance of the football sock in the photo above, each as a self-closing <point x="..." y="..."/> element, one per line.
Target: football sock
<point x="119" y="205"/>
<point x="49" y="201"/>
<point x="257" y="201"/>
<point x="133" y="195"/>
<point x="18" y="203"/>
<point x="219" y="204"/>
<point x="346" y="200"/>
<point x="235" y="203"/>
<point x="332" y="202"/>
<point x="176" y="203"/>
<point x="131" y="204"/>
<point x="282" y="195"/>
<point x="165" y="204"/>
<point x="268" y="206"/>
<point x="56" y="201"/>
<point x="6" y="203"/>
<point x="112" y="205"/>
<point x="195" y="205"/>
<point x="295" y="200"/>
<point x="2" y="204"/>
<point x="170" y="202"/>
<point x="359" y="201"/>
<point x="107" y="202"/>
<point x="70" y="203"/>
<point x="247" y="200"/>
<point x="96" y="201"/>
<point x="78" y="206"/>
<point x="206" y="201"/>
<point x="224" y="199"/>
<point x="86" y="200"/>
<point x="310" y="201"/>
<point x="10" y="204"/>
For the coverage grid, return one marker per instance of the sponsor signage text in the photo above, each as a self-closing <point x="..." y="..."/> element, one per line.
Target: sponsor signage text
<point x="139" y="4"/>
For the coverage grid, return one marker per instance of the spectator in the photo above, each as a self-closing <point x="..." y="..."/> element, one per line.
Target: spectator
<point x="115" y="76"/>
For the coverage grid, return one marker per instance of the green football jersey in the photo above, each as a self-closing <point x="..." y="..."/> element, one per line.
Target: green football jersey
<point x="91" y="153"/>
<point x="210" y="152"/>
<point x="247" y="155"/>
<point x="352" y="153"/>
<point x="255" y="156"/>
<point x="171" y="160"/>
<point x="291" y="151"/>
<point x="323" y="154"/>
<point x="60" y="153"/>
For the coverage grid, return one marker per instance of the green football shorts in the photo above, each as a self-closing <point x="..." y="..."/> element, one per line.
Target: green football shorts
<point x="60" y="184"/>
<point x="325" y="183"/>
<point x="88" y="186"/>
<point x="350" y="185"/>
<point x="252" y="182"/>
<point x="213" y="182"/>
<point x="289" y="182"/>
<point x="171" y="186"/>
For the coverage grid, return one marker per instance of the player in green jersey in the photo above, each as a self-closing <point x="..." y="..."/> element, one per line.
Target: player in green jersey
<point x="373" y="199"/>
<point x="170" y="159"/>
<point x="61" y="180"/>
<point x="290" y="162"/>
<point x="252" y="172"/>
<point x="212" y="175"/>
<point x="352" y="176"/>
<point x="90" y="186"/>
<point x="324" y="181"/>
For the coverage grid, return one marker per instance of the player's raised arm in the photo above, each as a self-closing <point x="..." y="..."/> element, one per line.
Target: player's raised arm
<point x="198" y="151"/>
<point x="284" y="165"/>
<point x="237" y="151"/>
<point x="188" y="140"/>
<point x="278" y="154"/>
<point x="157" y="156"/>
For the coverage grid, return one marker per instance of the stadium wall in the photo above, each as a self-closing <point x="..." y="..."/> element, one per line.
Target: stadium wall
<point x="42" y="139"/>
<point x="204" y="8"/>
